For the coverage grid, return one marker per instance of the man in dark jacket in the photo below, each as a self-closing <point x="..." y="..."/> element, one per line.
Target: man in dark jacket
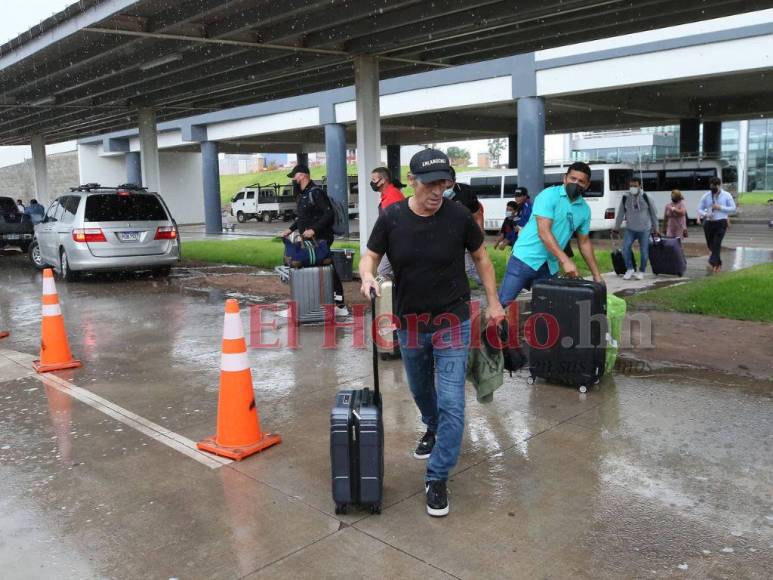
<point x="315" y="219"/>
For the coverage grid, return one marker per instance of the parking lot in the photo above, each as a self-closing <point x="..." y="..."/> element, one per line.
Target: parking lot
<point x="658" y="471"/>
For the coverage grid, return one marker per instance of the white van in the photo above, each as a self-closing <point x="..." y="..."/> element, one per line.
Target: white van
<point x="495" y="187"/>
<point x="265" y="203"/>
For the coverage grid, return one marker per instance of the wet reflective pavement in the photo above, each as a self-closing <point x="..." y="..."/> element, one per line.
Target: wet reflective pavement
<point x="654" y="474"/>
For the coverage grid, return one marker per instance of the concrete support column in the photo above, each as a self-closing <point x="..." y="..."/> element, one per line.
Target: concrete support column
<point x="368" y="140"/>
<point x="302" y="158"/>
<point x="689" y="131"/>
<point x="210" y="173"/>
<point x="151" y="168"/>
<point x="393" y="161"/>
<point x="512" y="151"/>
<point x="335" y="154"/>
<point x="712" y="138"/>
<point x="531" y="143"/>
<point x="40" y="169"/>
<point x="133" y="168"/>
<point x="743" y="156"/>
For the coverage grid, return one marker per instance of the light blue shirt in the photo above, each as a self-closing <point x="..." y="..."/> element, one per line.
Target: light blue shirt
<point x="568" y="217"/>
<point x="725" y="202"/>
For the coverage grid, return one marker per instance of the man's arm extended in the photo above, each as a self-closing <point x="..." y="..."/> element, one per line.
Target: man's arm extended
<point x="586" y="249"/>
<point x="485" y="269"/>
<point x="544" y="226"/>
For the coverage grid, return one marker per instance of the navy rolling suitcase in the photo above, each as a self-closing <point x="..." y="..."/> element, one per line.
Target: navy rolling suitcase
<point x="357" y="445"/>
<point x="567" y="341"/>
<point x="667" y="256"/>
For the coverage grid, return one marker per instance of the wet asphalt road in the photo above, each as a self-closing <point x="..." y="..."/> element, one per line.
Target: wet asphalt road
<point x="652" y="474"/>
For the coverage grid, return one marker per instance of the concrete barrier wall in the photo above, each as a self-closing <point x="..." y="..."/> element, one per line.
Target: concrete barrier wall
<point x="17" y="180"/>
<point x="181" y="181"/>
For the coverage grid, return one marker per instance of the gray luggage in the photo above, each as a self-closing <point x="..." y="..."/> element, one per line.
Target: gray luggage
<point x="311" y="289"/>
<point x="385" y="306"/>
<point x="357" y="446"/>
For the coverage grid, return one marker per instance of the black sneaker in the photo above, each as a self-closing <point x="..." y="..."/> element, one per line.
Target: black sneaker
<point x="424" y="448"/>
<point x="437" y="498"/>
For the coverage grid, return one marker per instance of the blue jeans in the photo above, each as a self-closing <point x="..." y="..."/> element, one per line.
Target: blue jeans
<point x="518" y="276"/>
<point x="629" y="236"/>
<point x="436" y="374"/>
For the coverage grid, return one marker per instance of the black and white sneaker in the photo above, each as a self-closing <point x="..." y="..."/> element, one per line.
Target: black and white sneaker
<point x="437" y="498"/>
<point x="424" y="448"/>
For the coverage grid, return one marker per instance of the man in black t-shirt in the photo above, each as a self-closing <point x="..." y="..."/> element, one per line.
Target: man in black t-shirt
<point x="425" y="238"/>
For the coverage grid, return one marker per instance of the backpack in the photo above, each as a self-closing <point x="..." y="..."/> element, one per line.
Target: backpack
<point x="340" y="214"/>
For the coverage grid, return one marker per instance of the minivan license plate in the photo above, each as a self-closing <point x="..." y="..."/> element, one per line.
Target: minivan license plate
<point x="129" y="236"/>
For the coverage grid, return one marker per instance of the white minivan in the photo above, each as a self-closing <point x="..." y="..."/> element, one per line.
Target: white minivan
<point x="495" y="187"/>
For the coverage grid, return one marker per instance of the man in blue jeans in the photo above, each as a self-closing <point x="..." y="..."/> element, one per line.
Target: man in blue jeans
<point x="558" y="213"/>
<point x="425" y="238"/>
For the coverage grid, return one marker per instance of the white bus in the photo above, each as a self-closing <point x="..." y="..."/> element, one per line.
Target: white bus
<point x="495" y="187"/>
<point x="690" y="176"/>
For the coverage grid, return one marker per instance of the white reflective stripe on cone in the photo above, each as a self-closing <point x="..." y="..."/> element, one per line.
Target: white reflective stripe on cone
<point x="232" y="326"/>
<point x="234" y="362"/>
<point x="51" y="310"/>
<point x="49" y="286"/>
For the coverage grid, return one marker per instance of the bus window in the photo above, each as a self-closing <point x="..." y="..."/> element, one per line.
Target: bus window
<point x="619" y="179"/>
<point x="596" y="184"/>
<point x="681" y="179"/>
<point x="702" y="177"/>
<point x="486" y="186"/>
<point x="651" y="180"/>
<point x="511" y="182"/>
<point x="729" y="175"/>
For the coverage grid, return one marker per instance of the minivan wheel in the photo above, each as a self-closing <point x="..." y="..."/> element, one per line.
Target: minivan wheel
<point x="64" y="267"/>
<point x="240" y="217"/>
<point x="162" y="271"/>
<point x="266" y="217"/>
<point x="34" y="255"/>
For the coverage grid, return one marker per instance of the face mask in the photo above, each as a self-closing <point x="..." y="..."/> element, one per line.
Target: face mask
<point x="374" y="185"/>
<point x="634" y="190"/>
<point x="449" y="193"/>
<point x="510" y="214"/>
<point x="574" y="190"/>
<point x="714" y="189"/>
<point x="675" y="200"/>
<point x="297" y="188"/>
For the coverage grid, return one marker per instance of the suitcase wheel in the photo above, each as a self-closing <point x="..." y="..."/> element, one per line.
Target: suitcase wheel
<point x="340" y="508"/>
<point x="375" y="508"/>
<point x="583" y="389"/>
<point x="530" y="380"/>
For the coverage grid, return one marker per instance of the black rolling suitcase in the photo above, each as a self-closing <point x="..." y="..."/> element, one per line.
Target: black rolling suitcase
<point x="618" y="261"/>
<point x="667" y="256"/>
<point x="567" y="342"/>
<point x="357" y="445"/>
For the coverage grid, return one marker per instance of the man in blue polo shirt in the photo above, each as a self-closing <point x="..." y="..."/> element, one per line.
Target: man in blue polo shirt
<point x="557" y="213"/>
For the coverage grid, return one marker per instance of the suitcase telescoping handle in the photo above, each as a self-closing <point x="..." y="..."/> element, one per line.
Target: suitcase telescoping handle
<point x="373" y="340"/>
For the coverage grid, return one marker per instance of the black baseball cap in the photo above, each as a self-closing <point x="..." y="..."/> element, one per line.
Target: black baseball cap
<point x="519" y="191"/>
<point x="431" y="165"/>
<point x="300" y="168"/>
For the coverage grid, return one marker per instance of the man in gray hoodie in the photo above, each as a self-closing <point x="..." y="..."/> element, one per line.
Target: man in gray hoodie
<point x="641" y="220"/>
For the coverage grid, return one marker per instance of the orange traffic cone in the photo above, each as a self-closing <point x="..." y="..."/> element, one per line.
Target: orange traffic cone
<point x="55" y="352"/>
<point x="238" y="425"/>
<point x="4" y="333"/>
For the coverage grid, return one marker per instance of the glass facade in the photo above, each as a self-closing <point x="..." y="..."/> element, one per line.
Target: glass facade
<point x="760" y="155"/>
